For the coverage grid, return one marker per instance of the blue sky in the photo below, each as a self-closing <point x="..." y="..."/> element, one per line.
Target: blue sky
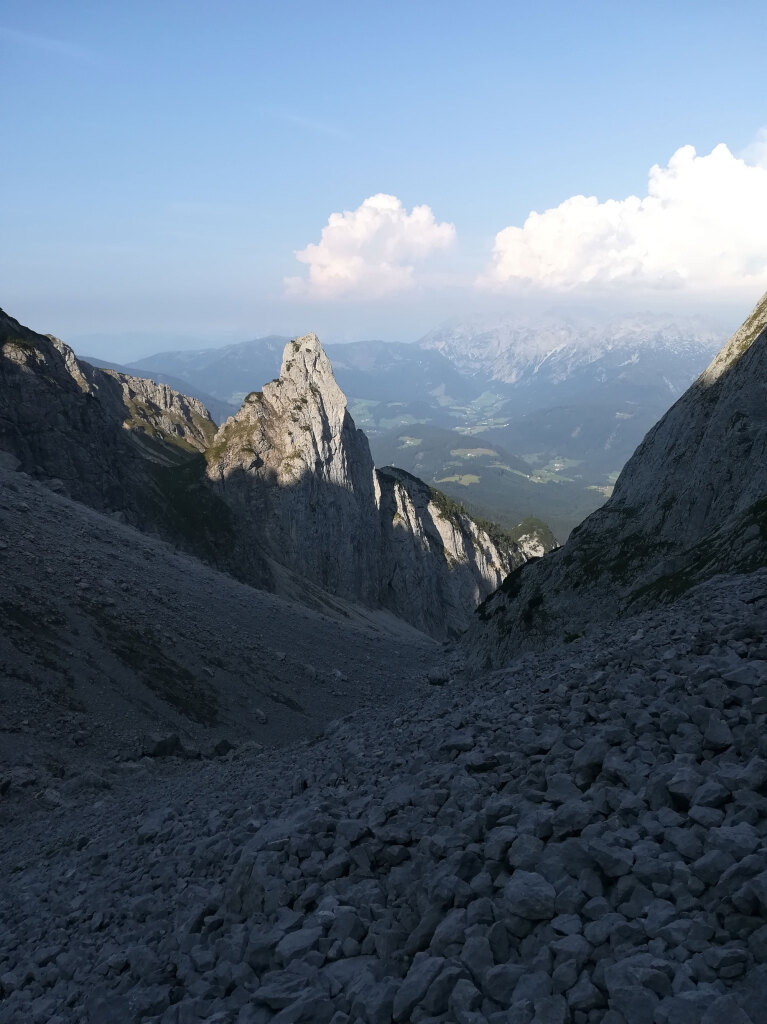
<point x="165" y="161"/>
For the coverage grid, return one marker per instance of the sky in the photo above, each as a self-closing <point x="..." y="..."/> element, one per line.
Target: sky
<point x="196" y="172"/>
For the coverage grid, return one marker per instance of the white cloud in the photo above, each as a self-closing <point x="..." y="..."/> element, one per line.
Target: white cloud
<point x="371" y="251"/>
<point x="701" y="226"/>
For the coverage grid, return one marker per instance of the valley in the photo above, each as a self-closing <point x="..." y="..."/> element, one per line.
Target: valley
<point x="383" y="513"/>
<point x="543" y="414"/>
<point x="261" y="761"/>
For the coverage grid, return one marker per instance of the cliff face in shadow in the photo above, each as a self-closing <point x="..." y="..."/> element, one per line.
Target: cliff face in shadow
<point x="300" y="480"/>
<point x="690" y="503"/>
<point x="122" y="445"/>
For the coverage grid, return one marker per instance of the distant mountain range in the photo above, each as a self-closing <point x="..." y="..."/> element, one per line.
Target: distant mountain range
<point x="690" y="504"/>
<point x="513" y="418"/>
<point x="559" y="351"/>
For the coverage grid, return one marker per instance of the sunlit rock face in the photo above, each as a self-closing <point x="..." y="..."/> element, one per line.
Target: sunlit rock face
<point x="690" y="503"/>
<point x="300" y="477"/>
<point x="435" y="551"/>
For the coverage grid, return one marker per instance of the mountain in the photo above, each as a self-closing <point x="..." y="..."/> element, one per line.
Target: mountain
<point x="218" y="410"/>
<point x="299" y="478"/>
<point x="114" y="644"/>
<point x="284" y="495"/>
<point x="381" y="371"/>
<point x="570" y="356"/>
<point x="396" y="373"/>
<point x="228" y="373"/>
<point x="568" y="398"/>
<point x="120" y="444"/>
<point x="219" y="805"/>
<point x="488" y="479"/>
<point x="690" y="503"/>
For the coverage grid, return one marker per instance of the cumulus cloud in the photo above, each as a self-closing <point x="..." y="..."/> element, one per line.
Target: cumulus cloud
<point x="700" y="226"/>
<point x="371" y="251"/>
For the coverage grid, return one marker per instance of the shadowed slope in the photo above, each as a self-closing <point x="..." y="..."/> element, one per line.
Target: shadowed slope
<point x="691" y="502"/>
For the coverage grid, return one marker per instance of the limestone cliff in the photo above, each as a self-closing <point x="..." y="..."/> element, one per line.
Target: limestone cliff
<point x="690" y="503"/>
<point x="300" y="479"/>
<point x="49" y="419"/>
<point x="156" y="410"/>
<point x="284" y="495"/>
<point x="114" y="442"/>
<point x="437" y="562"/>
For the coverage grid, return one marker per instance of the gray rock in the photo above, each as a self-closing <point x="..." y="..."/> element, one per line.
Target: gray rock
<point x="423" y="971"/>
<point x="718" y="734"/>
<point x="533" y="986"/>
<point x="499" y="982"/>
<point x="159" y="745"/>
<point x="725" y="1008"/>
<point x="693" y="482"/>
<point x="612" y="859"/>
<point x="298" y="943"/>
<point x="584" y="995"/>
<point x="464" y="999"/>
<point x="381" y="537"/>
<point x="636" y="1004"/>
<point x="530" y="896"/>
<point x="525" y="852"/>
<point x="551" y="1010"/>
<point x="477" y="956"/>
<point x="280" y="989"/>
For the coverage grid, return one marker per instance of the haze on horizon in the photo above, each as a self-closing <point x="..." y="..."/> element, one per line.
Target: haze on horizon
<point x="191" y="174"/>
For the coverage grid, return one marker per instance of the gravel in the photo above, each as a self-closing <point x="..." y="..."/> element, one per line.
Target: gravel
<point x="577" y="837"/>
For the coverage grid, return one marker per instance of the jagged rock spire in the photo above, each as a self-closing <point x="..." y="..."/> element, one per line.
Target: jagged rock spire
<point x="307" y="385"/>
<point x="302" y="481"/>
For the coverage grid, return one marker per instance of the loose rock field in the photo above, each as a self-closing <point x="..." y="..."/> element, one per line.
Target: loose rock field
<point x="579" y="837"/>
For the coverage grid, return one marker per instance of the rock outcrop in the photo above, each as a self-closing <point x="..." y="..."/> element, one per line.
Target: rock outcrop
<point x="299" y="477"/>
<point x="117" y="443"/>
<point x="690" y="503"/>
<point x="156" y="410"/>
<point x="49" y="419"/>
<point x="579" y="837"/>
<point x="300" y="480"/>
<point x="284" y="495"/>
<point x="437" y="562"/>
<point x="62" y="417"/>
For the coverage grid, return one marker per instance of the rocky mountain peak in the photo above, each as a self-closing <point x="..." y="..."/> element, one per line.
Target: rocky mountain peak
<point x="297" y="424"/>
<point x="304" y="359"/>
<point x="299" y="477"/>
<point x="285" y="495"/>
<point x="306" y="380"/>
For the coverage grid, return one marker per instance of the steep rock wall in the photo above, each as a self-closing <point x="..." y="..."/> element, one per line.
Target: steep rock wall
<point x="114" y="442"/>
<point x="300" y="479"/>
<point x="690" y="503"/>
<point x="299" y="476"/>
